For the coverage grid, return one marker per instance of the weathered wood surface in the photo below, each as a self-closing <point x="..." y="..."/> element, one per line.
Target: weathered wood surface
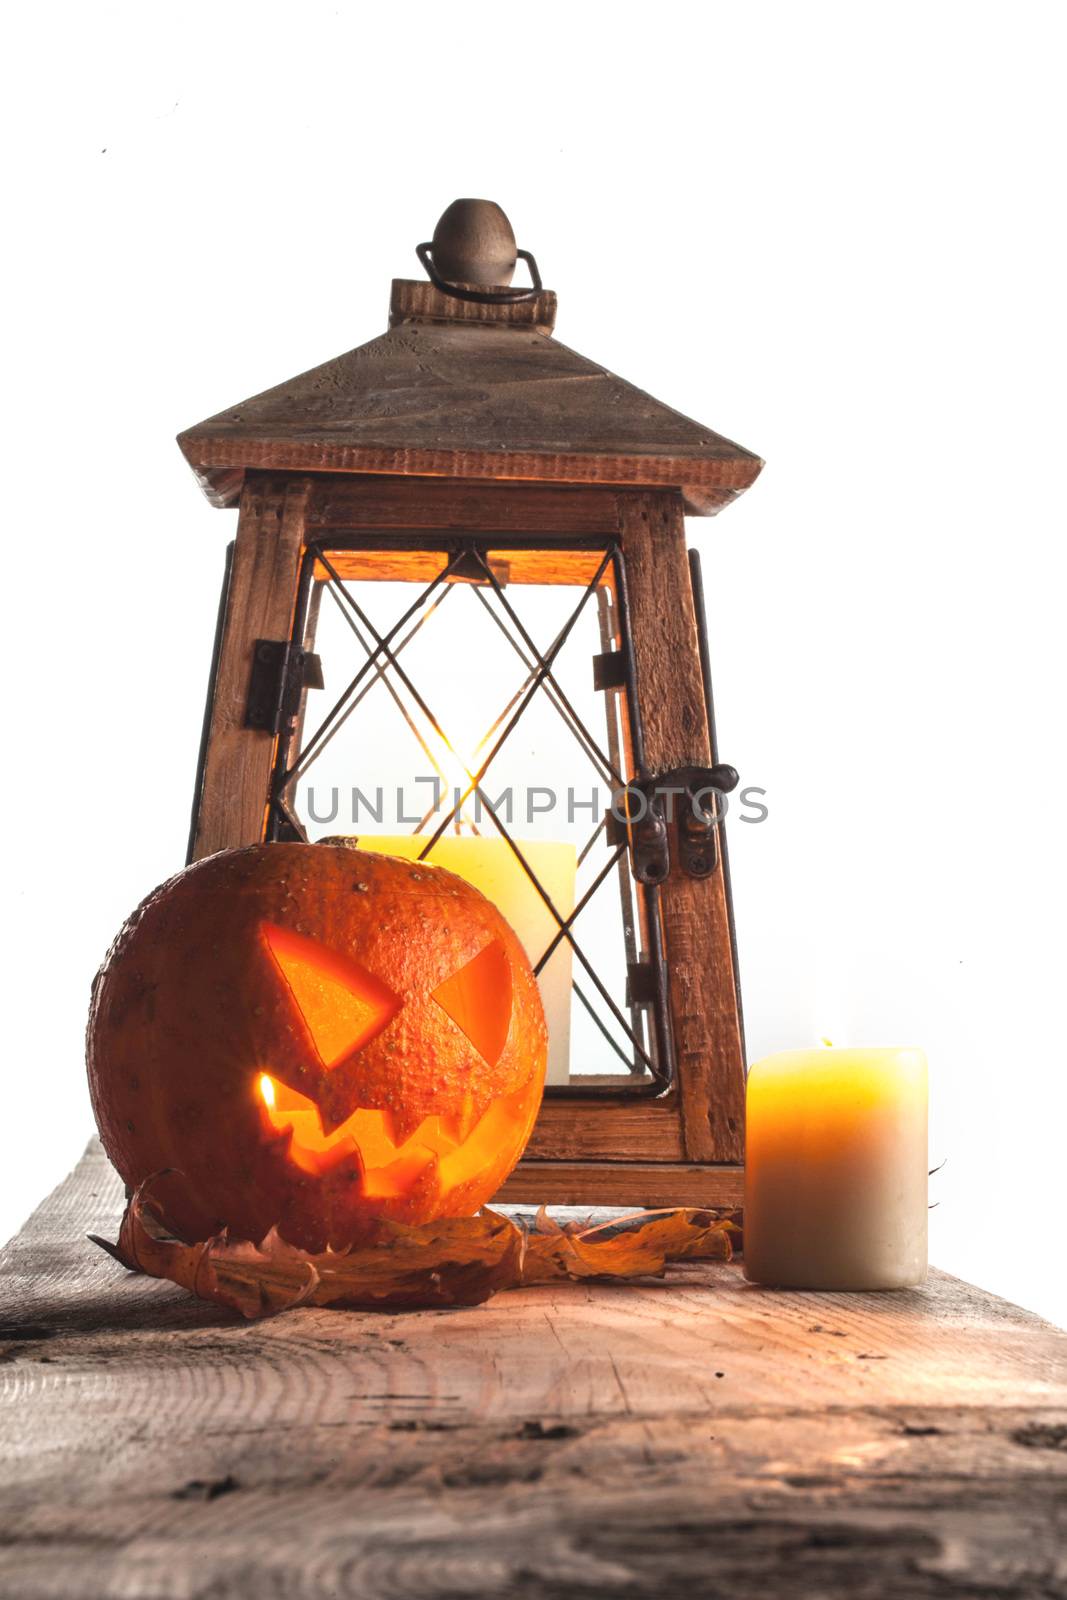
<point x="575" y="1129"/>
<point x="466" y="400"/>
<point x="340" y="504"/>
<point x="699" y="1438"/>
<point x="418" y="300"/>
<point x="642" y="1184"/>
<point x="262" y="594"/>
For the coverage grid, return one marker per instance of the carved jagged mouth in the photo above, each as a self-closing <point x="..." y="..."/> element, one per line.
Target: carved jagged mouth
<point x="447" y="1144"/>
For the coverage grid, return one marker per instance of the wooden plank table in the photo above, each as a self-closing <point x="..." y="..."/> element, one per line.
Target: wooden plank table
<point x="694" y="1438"/>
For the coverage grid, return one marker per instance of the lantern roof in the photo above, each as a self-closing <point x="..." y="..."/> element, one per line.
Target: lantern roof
<point x="468" y="388"/>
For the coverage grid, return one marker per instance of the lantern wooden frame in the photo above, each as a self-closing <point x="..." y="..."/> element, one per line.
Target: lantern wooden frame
<point x="376" y="442"/>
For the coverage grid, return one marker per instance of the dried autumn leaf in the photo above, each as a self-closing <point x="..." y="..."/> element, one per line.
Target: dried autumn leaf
<point x="458" y="1261"/>
<point x="638" y="1245"/>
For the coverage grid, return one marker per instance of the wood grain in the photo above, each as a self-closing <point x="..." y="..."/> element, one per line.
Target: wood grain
<point x="574" y="567"/>
<point x="444" y="505"/>
<point x="573" y="1129"/>
<point x="700" y="1437"/>
<point x="644" y="1185"/>
<point x="262" y="596"/>
<point x="704" y="1005"/>
<point x="418" y="300"/>
<point x="468" y="401"/>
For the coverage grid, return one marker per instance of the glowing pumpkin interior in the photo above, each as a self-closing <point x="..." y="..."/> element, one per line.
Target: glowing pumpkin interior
<point x="343" y="1007"/>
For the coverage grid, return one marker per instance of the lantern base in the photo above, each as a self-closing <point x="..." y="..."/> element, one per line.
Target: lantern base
<point x="646" y="1184"/>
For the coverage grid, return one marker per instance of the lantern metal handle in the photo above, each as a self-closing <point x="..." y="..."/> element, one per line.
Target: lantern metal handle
<point x="482" y="297"/>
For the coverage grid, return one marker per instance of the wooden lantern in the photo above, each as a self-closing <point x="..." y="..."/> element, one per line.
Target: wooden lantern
<point x="466" y="450"/>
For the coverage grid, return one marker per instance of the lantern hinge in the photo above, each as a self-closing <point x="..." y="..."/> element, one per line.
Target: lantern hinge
<point x="689" y="797"/>
<point x="609" y="670"/>
<point x="641" y="986"/>
<point x="615" y="832"/>
<point x="281" y="671"/>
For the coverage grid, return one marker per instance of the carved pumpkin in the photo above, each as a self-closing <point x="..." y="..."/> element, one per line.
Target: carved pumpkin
<point x="315" y="1038"/>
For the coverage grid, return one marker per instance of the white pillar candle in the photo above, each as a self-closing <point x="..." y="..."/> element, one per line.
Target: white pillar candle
<point x="490" y="864"/>
<point x="836" y="1169"/>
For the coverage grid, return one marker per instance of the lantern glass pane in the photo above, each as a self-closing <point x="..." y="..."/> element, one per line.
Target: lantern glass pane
<point x="460" y="724"/>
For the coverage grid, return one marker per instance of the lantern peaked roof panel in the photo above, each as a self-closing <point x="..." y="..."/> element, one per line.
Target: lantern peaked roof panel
<point x="468" y="400"/>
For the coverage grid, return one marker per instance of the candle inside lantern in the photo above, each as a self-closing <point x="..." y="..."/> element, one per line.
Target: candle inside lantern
<point x="836" y="1169"/>
<point x="492" y="866"/>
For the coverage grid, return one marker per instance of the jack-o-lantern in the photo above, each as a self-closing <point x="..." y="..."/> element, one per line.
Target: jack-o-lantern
<point x="315" y="1038"/>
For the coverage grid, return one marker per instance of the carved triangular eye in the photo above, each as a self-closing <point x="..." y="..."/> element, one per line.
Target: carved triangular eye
<point x="343" y="1004"/>
<point x="478" y="999"/>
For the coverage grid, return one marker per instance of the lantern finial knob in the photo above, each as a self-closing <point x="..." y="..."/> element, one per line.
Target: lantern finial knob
<point x="474" y="243"/>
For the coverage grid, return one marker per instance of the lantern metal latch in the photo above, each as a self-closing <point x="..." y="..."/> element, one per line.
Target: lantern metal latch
<point x="281" y="671"/>
<point x="689" y="797"/>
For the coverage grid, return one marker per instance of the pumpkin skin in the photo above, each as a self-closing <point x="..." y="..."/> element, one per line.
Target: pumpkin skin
<point x="315" y="1038"/>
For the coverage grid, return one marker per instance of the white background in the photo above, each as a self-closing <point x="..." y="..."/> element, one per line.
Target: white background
<point x="830" y="231"/>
